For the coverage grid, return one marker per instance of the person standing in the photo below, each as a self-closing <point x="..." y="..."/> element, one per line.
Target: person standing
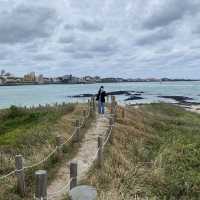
<point x="101" y="100"/>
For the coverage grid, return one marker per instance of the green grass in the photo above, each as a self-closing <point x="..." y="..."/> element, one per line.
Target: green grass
<point x="31" y="132"/>
<point x="17" y="124"/>
<point x="154" y="153"/>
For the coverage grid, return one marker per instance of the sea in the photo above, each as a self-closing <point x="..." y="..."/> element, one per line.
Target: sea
<point x="33" y="95"/>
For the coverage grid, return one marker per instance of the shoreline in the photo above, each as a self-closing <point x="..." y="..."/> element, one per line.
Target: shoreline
<point x="35" y="83"/>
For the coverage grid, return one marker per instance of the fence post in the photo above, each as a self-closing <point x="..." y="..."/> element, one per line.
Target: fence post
<point x="107" y="98"/>
<point x="91" y="107"/>
<point x="93" y="104"/>
<point x="84" y="114"/>
<point x="100" y="152"/>
<point x="111" y="121"/>
<point x="73" y="174"/>
<point x="88" y="104"/>
<point x="123" y="113"/>
<point x="41" y="185"/>
<point x="59" y="145"/>
<point x="77" y="129"/>
<point x="84" y="117"/>
<point x="20" y="175"/>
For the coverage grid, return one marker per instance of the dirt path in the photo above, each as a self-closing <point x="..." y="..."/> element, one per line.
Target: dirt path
<point x="84" y="157"/>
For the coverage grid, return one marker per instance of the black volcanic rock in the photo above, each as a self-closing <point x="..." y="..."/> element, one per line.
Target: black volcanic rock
<point x="81" y="96"/>
<point x="115" y="93"/>
<point x="177" y="98"/>
<point x="133" y="97"/>
<point x="121" y="92"/>
<point x="124" y="92"/>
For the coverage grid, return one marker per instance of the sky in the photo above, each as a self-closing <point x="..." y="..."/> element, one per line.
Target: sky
<point x="121" y="38"/>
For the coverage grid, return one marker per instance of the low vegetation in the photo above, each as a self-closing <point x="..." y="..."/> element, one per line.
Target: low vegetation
<point x="31" y="132"/>
<point x="154" y="154"/>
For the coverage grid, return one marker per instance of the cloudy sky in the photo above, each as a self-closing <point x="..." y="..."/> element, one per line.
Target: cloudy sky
<point x="122" y="38"/>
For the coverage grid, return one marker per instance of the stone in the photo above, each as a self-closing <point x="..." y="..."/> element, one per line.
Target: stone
<point x="83" y="192"/>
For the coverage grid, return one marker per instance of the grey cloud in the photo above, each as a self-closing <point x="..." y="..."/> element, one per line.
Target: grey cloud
<point x="196" y="30"/>
<point x="69" y="27"/>
<point x="43" y="57"/>
<point x="82" y="55"/>
<point x="53" y="37"/>
<point x="85" y="25"/>
<point x="154" y="37"/>
<point x="169" y="12"/>
<point x="105" y="46"/>
<point x="24" y="24"/>
<point x="67" y="39"/>
<point x="90" y="25"/>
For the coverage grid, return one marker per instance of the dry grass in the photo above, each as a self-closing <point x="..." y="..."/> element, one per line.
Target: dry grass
<point x="35" y="141"/>
<point x="154" y="154"/>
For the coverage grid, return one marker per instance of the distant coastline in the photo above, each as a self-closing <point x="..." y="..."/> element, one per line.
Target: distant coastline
<point x="108" y="81"/>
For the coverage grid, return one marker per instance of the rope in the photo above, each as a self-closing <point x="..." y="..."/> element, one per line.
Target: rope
<point x="54" y="194"/>
<point x="40" y="162"/>
<point x="66" y="187"/>
<point x="50" y="154"/>
<point x="7" y="175"/>
<point x="106" y="141"/>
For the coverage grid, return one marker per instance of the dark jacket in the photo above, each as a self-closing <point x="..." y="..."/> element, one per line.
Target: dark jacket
<point x="101" y="96"/>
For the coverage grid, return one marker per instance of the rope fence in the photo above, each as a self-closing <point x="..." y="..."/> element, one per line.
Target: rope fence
<point x="41" y="175"/>
<point x="86" y="114"/>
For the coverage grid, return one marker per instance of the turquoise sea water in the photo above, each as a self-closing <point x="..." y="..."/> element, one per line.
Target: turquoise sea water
<point x="49" y="94"/>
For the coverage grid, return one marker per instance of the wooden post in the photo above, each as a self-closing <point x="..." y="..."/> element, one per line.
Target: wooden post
<point x="88" y="104"/>
<point x="77" y="134"/>
<point x="93" y="104"/>
<point x="20" y="175"/>
<point x="84" y="113"/>
<point x="111" y="121"/>
<point x="91" y="107"/>
<point x="59" y="145"/>
<point x="112" y="104"/>
<point x="100" y="152"/>
<point x="107" y="98"/>
<point x="123" y="113"/>
<point x="41" y="185"/>
<point x="84" y="117"/>
<point x="73" y="174"/>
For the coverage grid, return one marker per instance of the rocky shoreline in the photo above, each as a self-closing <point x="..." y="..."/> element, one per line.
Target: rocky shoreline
<point x="137" y="95"/>
<point x="184" y="101"/>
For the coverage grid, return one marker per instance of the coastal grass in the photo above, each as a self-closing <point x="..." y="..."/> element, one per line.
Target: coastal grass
<point x="31" y="132"/>
<point x="154" y="153"/>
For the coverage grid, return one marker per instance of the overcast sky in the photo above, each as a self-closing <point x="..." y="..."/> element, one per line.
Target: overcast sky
<point x="122" y="38"/>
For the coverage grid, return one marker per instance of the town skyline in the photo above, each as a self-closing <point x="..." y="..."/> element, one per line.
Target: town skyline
<point x="7" y="78"/>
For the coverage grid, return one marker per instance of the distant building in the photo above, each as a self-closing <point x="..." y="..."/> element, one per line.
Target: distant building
<point x="3" y="72"/>
<point x="1" y="81"/>
<point x="30" y="77"/>
<point x="40" y="79"/>
<point x="56" y="80"/>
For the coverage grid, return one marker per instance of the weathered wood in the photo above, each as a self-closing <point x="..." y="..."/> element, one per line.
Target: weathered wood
<point x="84" y="113"/>
<point x="83" y="192"/>
<point x="88" y="103"/>
<point x="78" y="130"/>
<point x="100" y="152"/>
<point x="20" y="175"/>
<point x="73" y="174"/>
<point x="111" y="121"/>
<point x="123" y="113"/>
<point x="84" y="117"/>
<point x="113" y="105"/>
<point x="41" y="184"/>
<point x="93" y="104"/>
<point x="59" y="141"/>
<point x="107" y="99"/>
